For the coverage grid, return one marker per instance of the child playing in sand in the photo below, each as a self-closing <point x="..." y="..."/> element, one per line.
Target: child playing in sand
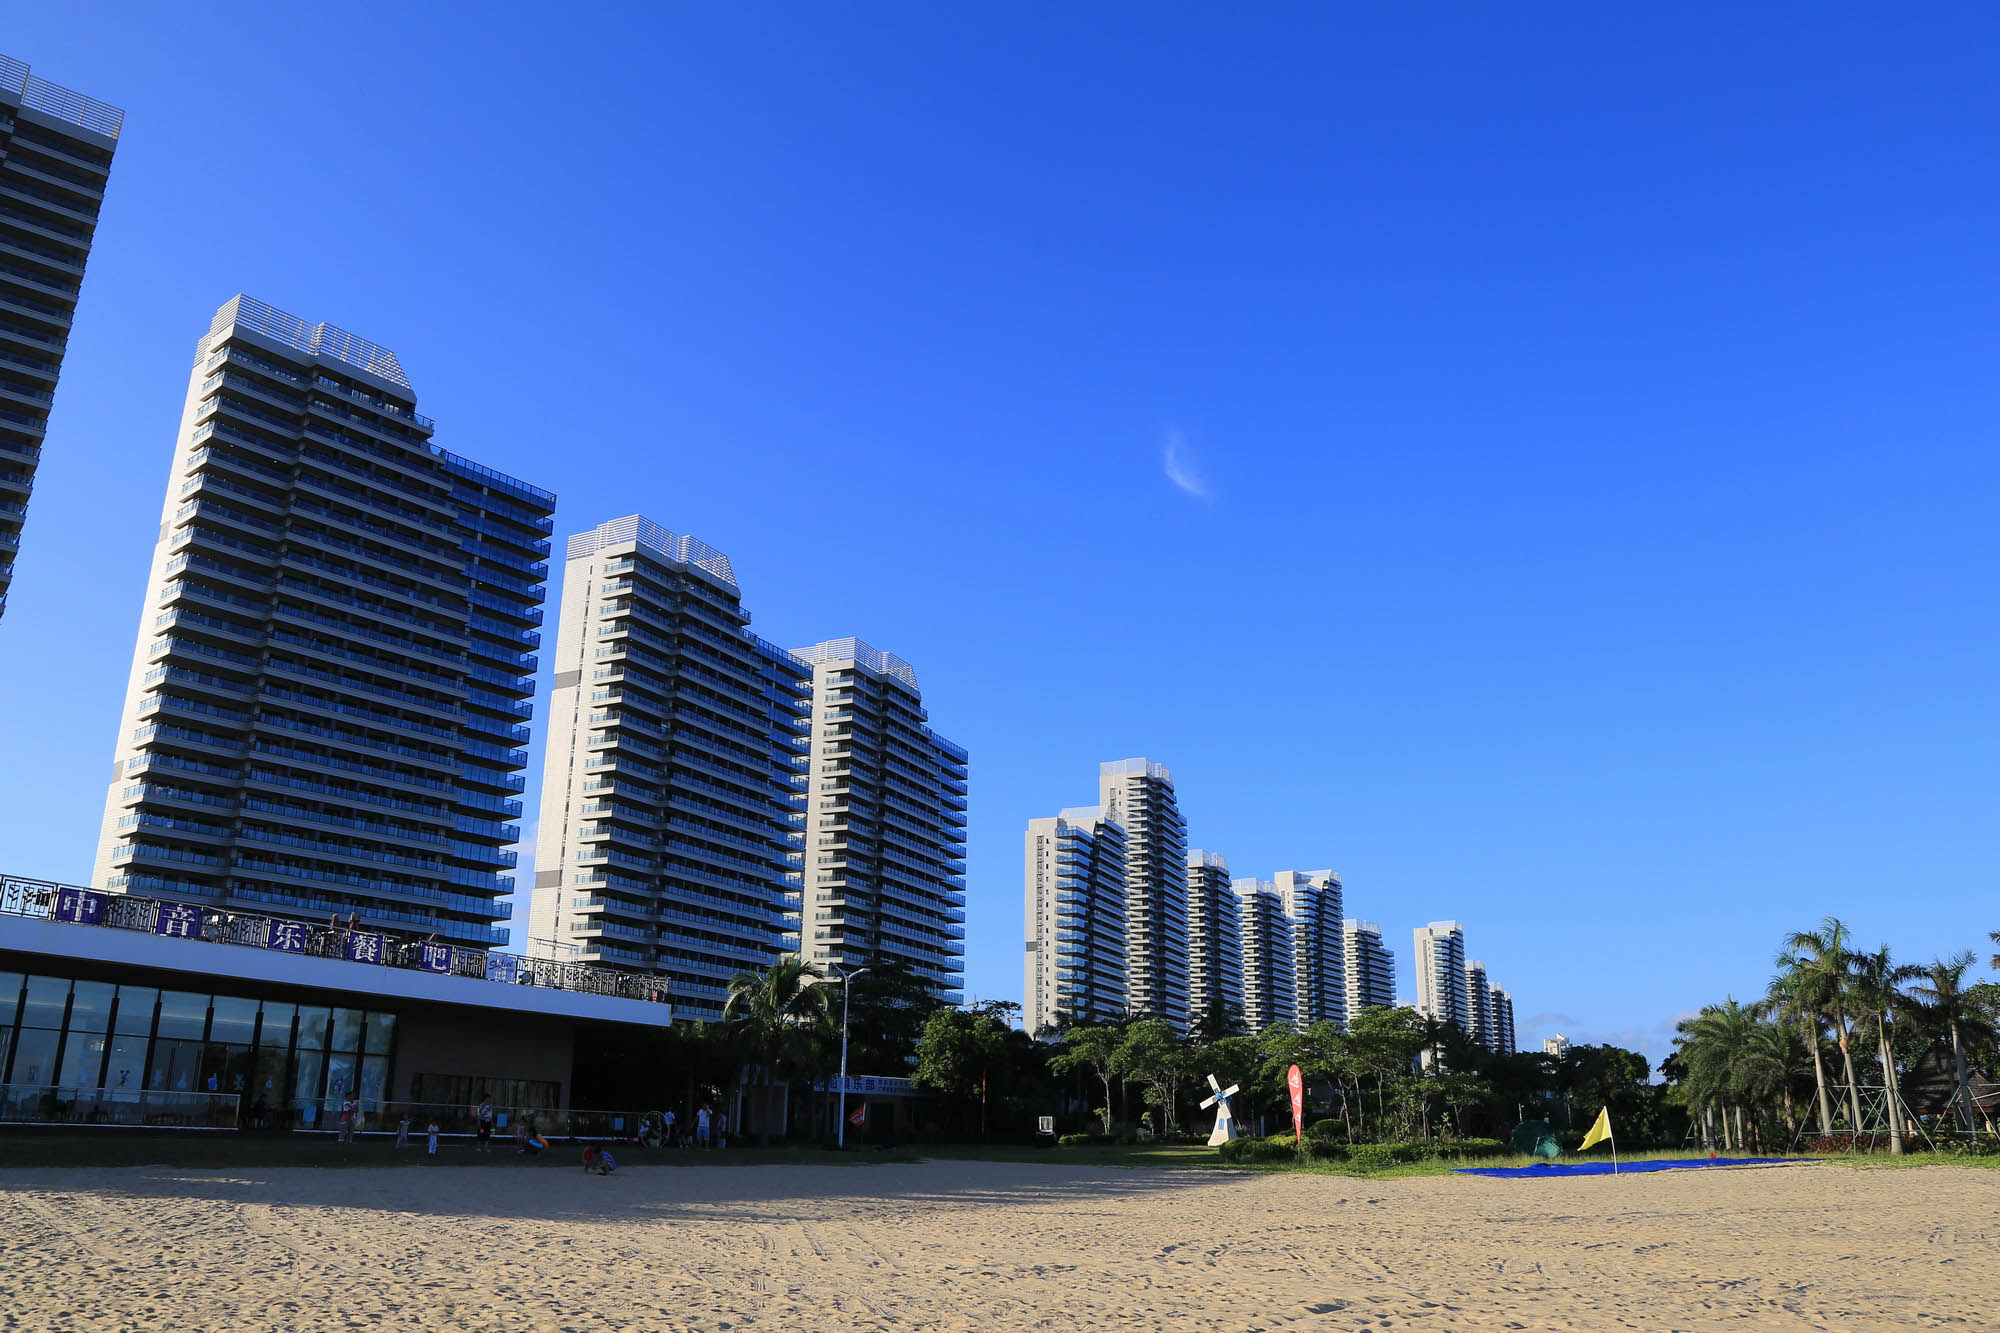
<point x="598" y="1160"/>
<point x="431" y="1142"/>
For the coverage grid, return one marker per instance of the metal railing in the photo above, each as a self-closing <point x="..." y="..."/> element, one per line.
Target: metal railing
<point x="76" y="905"/>
<point x="58" y="101"/>
<point x="37" y="1104"/>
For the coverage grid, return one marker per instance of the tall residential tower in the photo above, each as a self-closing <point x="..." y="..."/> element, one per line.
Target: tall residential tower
<point x="1319" y="964"/>
<point x="1371" y="969"/>
<point x="1270" y="980"/>
<point x="55" y="155"/>
<point x="1440" y="962"/>
<point x="673" y="786"/>
<point x="329" y="698"/>
<point x="1075" y="896"/>
<point x="1138" y="795"/>
<point x="1215" y="944"/>
<point x="885" y="822"/>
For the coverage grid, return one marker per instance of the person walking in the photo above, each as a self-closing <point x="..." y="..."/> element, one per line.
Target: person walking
<point x="431" y="1142"/>
<point x="403" y="1131"/>
<point x="701" y="1128"/>
<point x="483" y="1113"/>
<point x="668" y="1131"/>
<point x="349" y="1112"/>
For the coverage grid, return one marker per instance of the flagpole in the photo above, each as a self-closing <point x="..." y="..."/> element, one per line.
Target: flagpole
<point x="1613" y="1136"/>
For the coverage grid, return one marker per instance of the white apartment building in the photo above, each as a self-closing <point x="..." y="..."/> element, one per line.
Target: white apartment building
<point x="1215" y="942"/>
<point x="1075" y="897"/>
<point x="1503" y="1021"/>
<point x="671" y="825"/>
<point x="1440" y="962"/>
<point x="1138" y="796"/>
<point x="1557" y="1046"/>
<point x="1478" y="1003"/>
<point x="1319" y="955"/>
<point x="1371" y="968"/>
<point x="885" y="822"/>
<point x="1270" y="981"/>
<point x="328" y="701"/>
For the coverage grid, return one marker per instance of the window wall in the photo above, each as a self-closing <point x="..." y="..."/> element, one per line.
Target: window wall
<point x="284" y="1061"/>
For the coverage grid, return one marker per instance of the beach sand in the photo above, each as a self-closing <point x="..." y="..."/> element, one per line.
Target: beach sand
<point x="993" y="1247"/>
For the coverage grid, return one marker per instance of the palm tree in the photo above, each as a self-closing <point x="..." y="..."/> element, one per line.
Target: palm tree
<point x="1941" y="991"/>
<point x="1787" y="1001"/>
<point x="1820" y="958"/>
<point x="773" y="1013"/>
<point x="1713" y="1045"/>
<point x="1876" y="987"/>
<point x="1994" y="961"/>
<point x="1773" y="1062"/>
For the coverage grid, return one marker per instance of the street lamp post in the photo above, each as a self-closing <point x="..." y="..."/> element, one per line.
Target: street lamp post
<point x="840" y="1130"/>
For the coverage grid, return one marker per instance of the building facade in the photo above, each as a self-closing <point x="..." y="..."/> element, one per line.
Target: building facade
<point x="328" y="701"/>
<point x="674" y="784"/>
<point x="1270" y="978"/>
<point x="1215" y="944"/>
<point x="1319" y="959"/>
<point x="1138" y="796"/>
<point x="1503" y="1021"/>
<point x="1478" y="1004"/>
<point x="1440" y="961"/>
<point x="1075" y="895"/>
<point x="55" y="156"/>
<point x="1371" y="968"/>
<point x="885" y="822"/>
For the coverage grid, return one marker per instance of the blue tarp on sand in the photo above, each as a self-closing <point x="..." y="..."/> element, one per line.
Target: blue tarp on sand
<point x="1604" y="1168"/>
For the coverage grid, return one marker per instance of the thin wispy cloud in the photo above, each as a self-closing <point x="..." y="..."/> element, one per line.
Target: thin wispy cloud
<point x="1180" y="467"/>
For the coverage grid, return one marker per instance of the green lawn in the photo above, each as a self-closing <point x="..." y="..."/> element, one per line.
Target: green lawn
<point x="110" y="1148"/>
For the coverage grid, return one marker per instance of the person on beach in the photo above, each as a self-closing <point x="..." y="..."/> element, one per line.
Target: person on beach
<point x="722" y="1129"/>
<point x="349" y="1111"/>
<point x="431" y="1142"/>
<point x="403" y="1131"/>
<point x="520" y="1135"/>
<point x="483" y="1113"/>
<point x="701" y="1128"/>
<point x="599" y="1160"/>
<point x="671" y="1133"/>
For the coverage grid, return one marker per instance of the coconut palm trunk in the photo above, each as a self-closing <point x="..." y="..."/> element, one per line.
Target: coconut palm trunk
<point x="1811" y="1032"/>
<point x="1847" y="1067"/>
<point x="1890" y="1094"/>
<point x="1964" y="1097"/>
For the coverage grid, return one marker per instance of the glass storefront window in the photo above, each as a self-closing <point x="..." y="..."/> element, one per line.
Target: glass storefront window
<point x="183" y="1014"/>
<point x="381" y="1033"/>
<point x="82" y="1059"/>
<point x="10" y="999"/>
<point x="176" y="1066"/>
<point x="90" y="1010"/>
<point x="235" y="1020"/>
<point x="267" y="1077"/>
<point x="347" y="1029"/>
<point x="225" y="1067"/>
<point x="135" y="1010"/>
<point x="374" y="1079"/>
<point x="35" y="1056"/>
<point x="128" y="1060"/>
<point x="48" y="998"/>
<point x="277" y="1028"/>
<point x="305" y="1086"/>
<point x="339" y="1075"/>
<point x="312" y="1028"/>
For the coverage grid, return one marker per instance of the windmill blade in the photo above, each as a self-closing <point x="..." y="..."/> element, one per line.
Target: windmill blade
<point x="1233" y="1089"/>
<point x="1210" y="1102"/>
<point x="1213" y="1084"/>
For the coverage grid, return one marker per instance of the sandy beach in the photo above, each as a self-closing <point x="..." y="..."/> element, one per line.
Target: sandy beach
<point x="993" y="1247"/>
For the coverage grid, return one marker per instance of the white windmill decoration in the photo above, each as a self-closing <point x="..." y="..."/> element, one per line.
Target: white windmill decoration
<point x="1225" y="1123"/>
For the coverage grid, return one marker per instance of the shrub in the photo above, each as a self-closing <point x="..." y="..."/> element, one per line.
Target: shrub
<point x="1077" y="1140"/>
<point x="1329" y="1131"/>
<point x="1273" y="1149"/>
<point x="1473" y="1148"/>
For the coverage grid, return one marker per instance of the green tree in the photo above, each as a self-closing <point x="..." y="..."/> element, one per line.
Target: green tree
<point x="774" y="1015"/>
<point x="1090" y="1050"/>
<point x="1942" y="991"/>
<point x="1820" y="958"/>
<point x="958" y="1053"/>
<point x="1875" y="982"/>
<point x="1791" y="999"/>
<point x="1150" y="1053"/>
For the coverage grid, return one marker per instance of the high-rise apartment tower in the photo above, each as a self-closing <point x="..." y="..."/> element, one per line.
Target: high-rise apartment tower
<point x="1075" y="896"/>
<point x="1138" y="796"/>
<point x="1319" y="963"/>
<point x="673" y="788"/>
<point x="1503" y="1021"/>
<point x="55" y="155"/>
<point x="1440" y="962"/>
<point x="1215" y="943"/>
<point x="1371" y="969"/>
<point x="1270" y="980"/>
<point x="885" y="822"/>
<point x="1478" y="1003"/>
<point x="329" y="698"/>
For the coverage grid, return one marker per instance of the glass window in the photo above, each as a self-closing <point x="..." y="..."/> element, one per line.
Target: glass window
<point x="312" y="1028"/>
<point x="381" y="1033"/>
<point x="277" y="1029"/>
<point x="347" y="1029"/>
<point x="90" y="1011"/>
<point x="182" y="1014"/>
<point x="135" y="1010"/>
<point x="305" y="1086"/>
<point x="35" y="1057"/>
<point x="48" y="997"/>
<point x="176" y="1066"/>
<point x="339" y="1075"/>
<point x="225" y="1067"/>
<point x="267" y="1076"/>
<point x="235" y="1020"/>
<point x="10" y="1000"/>
<point x="374" y="1079"/>
<point x="128" y="1061"/>
<point x="82" y="1060"/>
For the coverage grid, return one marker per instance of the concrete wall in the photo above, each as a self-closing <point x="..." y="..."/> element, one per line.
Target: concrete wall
<point x="439" y="1041"/>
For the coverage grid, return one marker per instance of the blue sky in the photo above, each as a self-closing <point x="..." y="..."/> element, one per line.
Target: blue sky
<point x="1582" y="415"/>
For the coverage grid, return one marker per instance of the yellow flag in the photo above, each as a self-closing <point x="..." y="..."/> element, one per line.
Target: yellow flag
<point x="1600" y="1131"/>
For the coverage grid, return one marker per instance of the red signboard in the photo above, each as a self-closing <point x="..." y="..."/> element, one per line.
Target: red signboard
<point x="1297" y="1083"/>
